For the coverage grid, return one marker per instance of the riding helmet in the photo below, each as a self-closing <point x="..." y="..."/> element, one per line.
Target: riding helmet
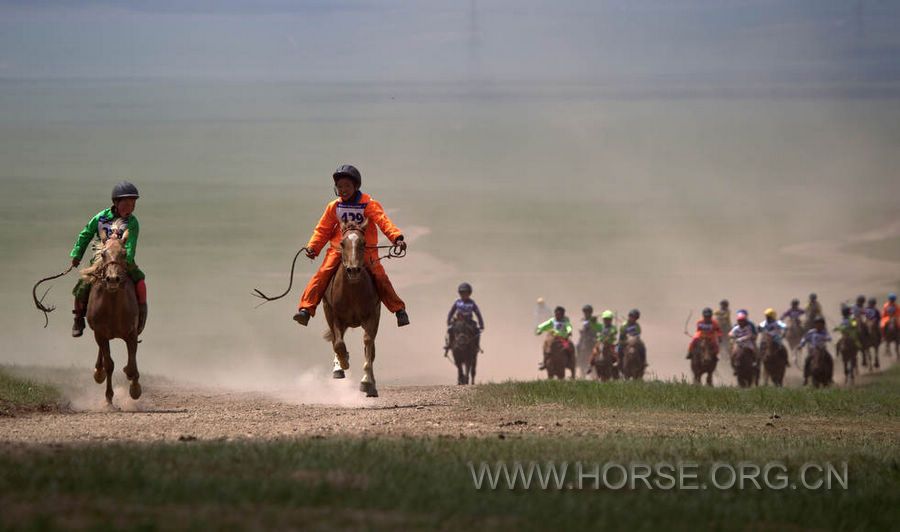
<point x="124" y="190"/>
<point x="723" y="303"/>
<point x="607" y="315"/>
<point x="795" y="302"/>
<point x="559" y="309"/>
<point x="770" y="313"/>
<point x="860" y="299"/>
<point x="813" y="296"/>
<point x="587" y="308"/>
<point x="872" y="301"/>
<point x="634" y="313"/>
<point x="742" y="314"/>
<point x="464" y="287"/>
<point x="348" y="170"/>
<point x="707" y="312"/>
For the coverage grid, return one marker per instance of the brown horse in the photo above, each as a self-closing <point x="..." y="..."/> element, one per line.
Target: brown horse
<point x="631" y="365"/>
<point x="704" y="360"/>
<point x="559" y="355"/>
<point x="603" y="362"/>
<point x="847" y="349"/>
<point x="112" y="312"/>
<point x="774" y="360"/>
<point x="793" y="335"/>
<point x="821" y="367"/>
<point x="352" y="301"/>
<point x="873" y="338"/>
<point x="891" y="336"/>
<point x="465" y="349"/>
<point x="745" y="364"/>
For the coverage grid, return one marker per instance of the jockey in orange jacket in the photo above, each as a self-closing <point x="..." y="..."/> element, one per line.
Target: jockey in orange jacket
<point x="351" y="205"/>
<point x="707" y="327"/>
<point x="889" y="312"/>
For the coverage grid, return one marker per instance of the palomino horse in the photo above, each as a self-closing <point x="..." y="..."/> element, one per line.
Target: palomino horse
<point x="352" y="301"/>
<point x="745" y="363"/>
<point x="821" y="367"/>
<point x="603" y="362"/>
<point x="112" y="310"/>
<point x="891" y="336"/>
<point x="465" y="349"/>
<point x="793" y="335"/>
<point x="847" y="349"/>
<point x="631" y="365"/>
<point x="559" y="355"/>
<point x="704" y="360"/>
<point x="774" y="360"/>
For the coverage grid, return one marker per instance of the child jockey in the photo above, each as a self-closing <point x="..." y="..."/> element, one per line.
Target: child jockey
<point x="794" y="312"/>
<point x="889" y="312"/>
<point x="773" y="327"/>
<point x="559" y="325"/>
<point x="816" y="337"/>
<point x="464" y="308"/>
<point x="707" y="327"/>
<point x="744" y="334"/>
<point x="608" y="332"/>
<point x="124" y="197"/>
<point x="351" y="205"/>
<point x="632" y="329"/>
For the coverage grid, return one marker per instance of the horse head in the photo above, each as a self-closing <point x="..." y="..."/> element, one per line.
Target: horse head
<point x="353" y="249"/>
<point x="109" y="264"/>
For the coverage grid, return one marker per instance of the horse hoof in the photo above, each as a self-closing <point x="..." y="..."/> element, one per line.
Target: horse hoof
<point x="135" y="390"/>
<point x="99" y="375"/>
<point x="369" y="388"/>
<point x="337" y="374"/>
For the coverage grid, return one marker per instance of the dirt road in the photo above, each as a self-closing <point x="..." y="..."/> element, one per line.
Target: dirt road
<point x="173" y="411"/>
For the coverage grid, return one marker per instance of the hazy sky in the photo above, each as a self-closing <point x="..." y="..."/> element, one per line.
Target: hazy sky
<point x="675" y="41"/>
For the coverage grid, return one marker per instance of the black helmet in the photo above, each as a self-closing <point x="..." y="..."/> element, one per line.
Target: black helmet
<point x="347" y="170"/>
<point x="634" y="313"/>
<point x="860" y="299"/>
<point x="587" y="308"/>
<point x="723" y="303"/>
<point x="559" y="309"/>
<point x="124" y="190"/>
<point x="464" y="287"/>
<point x="813" y="296"/>
<point x="872" y="301"/>
<point x="795" y="302"/>
<point x="707" y="312"/>
<point x="819" y="319"/>
<point x="845" y="310"/>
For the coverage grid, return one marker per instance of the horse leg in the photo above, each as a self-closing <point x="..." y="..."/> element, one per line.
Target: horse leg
<point x="99" y="371"/>
<point x="472" y="368"/>
<point x="131" y="370"/>
<point x="108" y="365"/>
<point x="460" y="377"/>
<point x="367" y="384"/>
<point x="341" y="355"/>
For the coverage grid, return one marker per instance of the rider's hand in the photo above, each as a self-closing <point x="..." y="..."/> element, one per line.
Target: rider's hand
<point x="401" y="243"/>
<point x="75" y="262"/>
<point x="310" y="253"/>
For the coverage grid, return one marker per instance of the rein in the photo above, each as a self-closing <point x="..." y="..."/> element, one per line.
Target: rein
<point x="39" y="303"/>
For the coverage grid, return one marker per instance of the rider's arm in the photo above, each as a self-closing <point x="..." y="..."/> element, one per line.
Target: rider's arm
<point x="134" y="229"/>
<point x="85" y="237"/>
<point x="478" y="315"/>
<point x="451" y="313"/>
<point x="544" y="327"/>
<point x="324" y="229"/>
<point x="568" y="328"/>
<point x="375" y="213"/>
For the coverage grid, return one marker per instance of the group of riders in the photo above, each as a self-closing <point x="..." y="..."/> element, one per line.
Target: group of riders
<point x="596" y="337"/>
<point x="808" y="324"/>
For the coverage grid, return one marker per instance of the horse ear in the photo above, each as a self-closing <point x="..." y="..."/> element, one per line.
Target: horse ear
<point x="125" y="236"/>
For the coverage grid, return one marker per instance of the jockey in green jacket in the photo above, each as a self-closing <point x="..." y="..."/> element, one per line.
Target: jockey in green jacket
<point x="124" y="197"/>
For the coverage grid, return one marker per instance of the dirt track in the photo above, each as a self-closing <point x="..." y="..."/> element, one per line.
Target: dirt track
<point x="169" y="412"/>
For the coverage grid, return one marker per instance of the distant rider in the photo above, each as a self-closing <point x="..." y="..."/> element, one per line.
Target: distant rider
<point x="707" y="328"/>
<point x="815" y="338"/>
<point x="464" y="308"/>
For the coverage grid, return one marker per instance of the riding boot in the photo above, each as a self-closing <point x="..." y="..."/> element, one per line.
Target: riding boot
<point x="302" y="317"/>
<point x="402" y="318"/>
<point x="79" y="325"/>
<point x="142" y="317"/>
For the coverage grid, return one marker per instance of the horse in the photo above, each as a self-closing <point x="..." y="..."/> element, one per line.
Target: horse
<point x="704" y="360"/>
<point x="465" y="349"/>
<point x="774" y="360"/>
<point x="865" y="341"/>
<point x="821" y="367"/>
<point x="847" y="349"/>
<point x="351" y="300"/>
<point x="584" y="350"/>
<point x="745" y="364"/>
<point x="630" y="365"/>
<point x="793" y="335"/>
<point x="112" y="310"/>
<point x="559" y="355"/>
<point x="873" y="338"/>
<point x="603" y="362"/>
<point x="891" y="336"/>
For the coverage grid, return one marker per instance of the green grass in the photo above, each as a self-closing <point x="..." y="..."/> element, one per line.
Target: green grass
<point x="425" y="483"/>
<point x="22" y="394"/>
<point x="879" y="397"/>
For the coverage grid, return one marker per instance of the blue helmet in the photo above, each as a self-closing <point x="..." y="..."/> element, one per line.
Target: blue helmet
<point x="892" y="296"/>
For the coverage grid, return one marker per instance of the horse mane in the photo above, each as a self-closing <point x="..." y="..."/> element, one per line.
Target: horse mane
<point x="99" y="245"/>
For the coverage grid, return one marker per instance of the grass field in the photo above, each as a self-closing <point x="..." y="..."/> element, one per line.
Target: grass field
<point x="17" y="394"/>
<point x="425" y="482"/>
<point x="876" y="397"/>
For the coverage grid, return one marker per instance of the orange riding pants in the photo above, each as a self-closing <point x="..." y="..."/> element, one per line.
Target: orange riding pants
<point x="319" y="282"/>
